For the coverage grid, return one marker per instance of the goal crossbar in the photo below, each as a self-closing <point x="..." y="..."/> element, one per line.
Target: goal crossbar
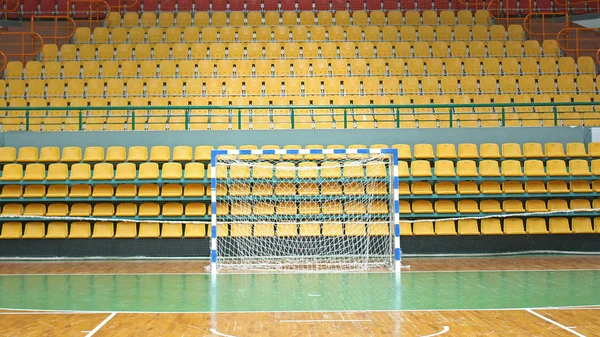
<point x="393" y="153"/>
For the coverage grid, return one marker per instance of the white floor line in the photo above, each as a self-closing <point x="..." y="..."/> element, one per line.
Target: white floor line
<point x="30" y="311"/>
<point x="323" y="320"/>
<point x="99" y="326"/>
<point x="220" y="334"/>
<point x="555" y="323"/>
<point x="444" y="330"/>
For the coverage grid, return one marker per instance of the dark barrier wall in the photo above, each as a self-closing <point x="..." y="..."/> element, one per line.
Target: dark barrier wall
<point x="300" y="137"/>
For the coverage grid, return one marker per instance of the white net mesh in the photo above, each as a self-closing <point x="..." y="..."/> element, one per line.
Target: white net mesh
<point x="309" y="212"/>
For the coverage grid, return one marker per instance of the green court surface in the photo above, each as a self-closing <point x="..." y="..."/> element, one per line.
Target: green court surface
<point x="301" y="292"/>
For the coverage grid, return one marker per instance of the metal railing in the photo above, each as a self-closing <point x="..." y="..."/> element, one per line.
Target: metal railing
<point x="123" y="6"/>
<point x="4" y="12"/>
<point x="3" y="62"/>
<point x="540" y="25"/>
<point x="298" y="117"/>
<point x="90" y="13"/>
<point x="28" y="44"/>
<point x="63" y="28"/>
<point x="580" y="41"/>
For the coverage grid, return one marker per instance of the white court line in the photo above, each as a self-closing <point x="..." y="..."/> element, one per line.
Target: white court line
<point x="323" y="320"/>
<point x="93" y="332"/>
<point x="29" y="311"/>
<point x="444" y="330"/>
<point x="220" y="334"/>
<point x="555" y="323"/>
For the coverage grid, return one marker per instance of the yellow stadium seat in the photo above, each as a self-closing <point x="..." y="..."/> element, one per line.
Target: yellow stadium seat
<point x="80" y="171"/>
<point x="125" y="171"/>
<point x="103" y="230"/>
<point x="468" y="227"/>
<point x="126" y="230"/>
<point x="11" y="230"/>
<point x="582" y="225"/>
<point x="148" y="171"/>
<point x="57" y="191"/>
<point x="103" y="191"/>
<point x="35" y="172"/>
<point x="103" y="210"/>
<point x="149" y="230"/>
<point x="513" y="226"/>
<point x="34" y="230"/>
<point x="103" y="171"/>
<point x="444" y="206"/>
<point x="445" y="227"/>
<point x="556" y="167"/>
<point x="420" y="168"/>
<point x="444" y="168"/>
<point x="11" y="191"/>
<point x="491" y="227"/>
<point x="421" y="188"/>
<point x="148" y="191"/>
<point x="79" y="230"/>
<point x="513" y="206"/>
<point x="559" y="226"/>
<point x="536" y="226"/>
<point x="423" y="228"/>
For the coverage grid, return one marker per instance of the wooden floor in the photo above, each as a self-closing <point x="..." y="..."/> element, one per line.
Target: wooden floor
<point x="560" y="321"/>
<point x="564" y="322"/>
<point x="199" y="266"/>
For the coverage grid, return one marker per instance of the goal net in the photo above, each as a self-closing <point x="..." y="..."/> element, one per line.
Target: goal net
<point x="317" y="210"/>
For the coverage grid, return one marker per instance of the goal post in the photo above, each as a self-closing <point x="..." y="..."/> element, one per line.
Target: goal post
<point x="304" y="210"/>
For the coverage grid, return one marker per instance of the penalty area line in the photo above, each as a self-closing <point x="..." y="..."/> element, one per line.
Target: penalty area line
<point x="555" y="323"/>
<point x="444" y="330"/>
<point x="99" y="326"/>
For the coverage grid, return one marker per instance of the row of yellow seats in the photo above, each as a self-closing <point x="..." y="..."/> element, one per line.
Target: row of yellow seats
<point x="106" y="209"/>
<point x="103" y="191"/>
<point x="418" y="168"/>
<point x="303" y="33"/>
<point x="315" y="77"/>
<point x="104" y="230"/>
<point x="509" y="226"/>
<point x="290" y="18"/>
<point x="294" y="50"/>
<point x="198" y="190"/>
<point x="102" y="171"/>
<point x="303" y="67"/>
<point x="192" y="171"/>
<point x="412" y="86"/>
<point x="202" y="153"/>
<point x="100" y="230"/>
<point x="580" y="225"/>
<point x="493" y="187"/>
<point x="491" y="168"/>
<point x="494" y="206"/>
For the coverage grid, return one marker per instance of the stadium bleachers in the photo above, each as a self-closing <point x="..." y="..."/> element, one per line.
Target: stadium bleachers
<point x="170" y="184"/>
<point x="283" y="57"/>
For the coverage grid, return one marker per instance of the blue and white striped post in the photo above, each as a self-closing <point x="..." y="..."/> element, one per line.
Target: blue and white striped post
<point x="397" y="250"/>
<point x="213" y="208"/>
<point x="213" y="190"/>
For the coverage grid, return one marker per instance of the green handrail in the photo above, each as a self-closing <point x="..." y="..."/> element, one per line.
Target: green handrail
<point x="336" y="110"/>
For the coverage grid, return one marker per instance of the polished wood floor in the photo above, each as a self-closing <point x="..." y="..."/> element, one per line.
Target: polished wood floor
<point x="199" y="266"/>
<point x="558" y="322"/>
<point x="585" y="322"/>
